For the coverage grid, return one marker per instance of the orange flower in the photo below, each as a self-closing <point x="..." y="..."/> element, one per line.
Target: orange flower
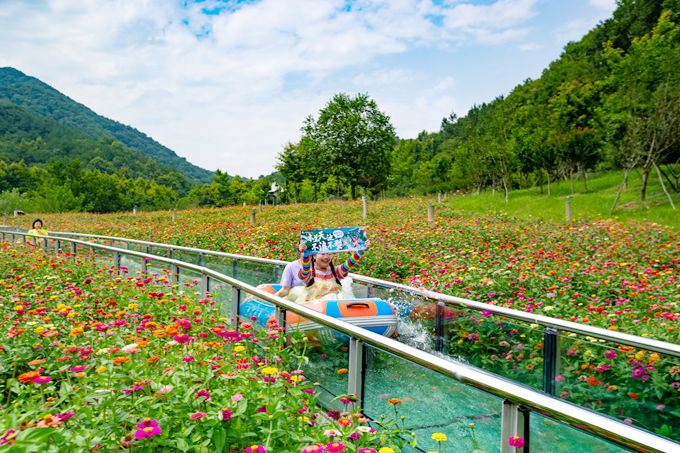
<point x="342" y="370"/>
<point x="593" y="381"/>
<point x="76" y="331"/>
<point x="394" y="401"/>
<point x="160" y="333"/>
<point x="37" y="362"/>
<point x="29" y="377"/>
<point x="120" y="360"/>
<point x="153" y="359"/>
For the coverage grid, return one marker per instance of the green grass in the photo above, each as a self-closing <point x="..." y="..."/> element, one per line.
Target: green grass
<point x="593" y="204"/>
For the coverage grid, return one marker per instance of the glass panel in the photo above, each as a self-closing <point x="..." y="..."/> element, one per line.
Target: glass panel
<point x="191" y="280"/>
<point x="431" y="403"/>
<point x="556" y="437"/>
<point x="328" y="356"/>
<point x="630" y="384"/>
<point x="511" y="349"/>
<point x="222" y="294"/>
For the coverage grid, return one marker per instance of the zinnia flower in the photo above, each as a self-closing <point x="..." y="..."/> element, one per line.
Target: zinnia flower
<point x="255" y="449"/>
<point x="335" y="447"/>
<point x="225" y="414"/>
<point x="367" y="450"/>
<point x="516" y="441"/>
<point x="316" y="448"/>
<point x="197" y="415"/>
<point x="148" y="428"/>
<point x="439" y="437"/>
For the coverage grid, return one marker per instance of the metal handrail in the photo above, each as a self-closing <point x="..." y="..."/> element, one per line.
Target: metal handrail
<point x="575" y="416"/>
<point x="649" y="344"/>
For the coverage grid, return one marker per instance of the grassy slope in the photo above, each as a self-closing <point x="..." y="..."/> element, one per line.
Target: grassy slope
<point x="594" y="204"/>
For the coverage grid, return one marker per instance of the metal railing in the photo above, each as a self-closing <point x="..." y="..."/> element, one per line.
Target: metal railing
<point x="518" y="400"/>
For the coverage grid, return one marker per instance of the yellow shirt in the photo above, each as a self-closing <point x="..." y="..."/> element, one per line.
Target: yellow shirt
<point x="38" y="232"/>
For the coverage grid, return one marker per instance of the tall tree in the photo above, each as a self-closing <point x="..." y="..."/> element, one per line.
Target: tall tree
<point x="353" y="139"/>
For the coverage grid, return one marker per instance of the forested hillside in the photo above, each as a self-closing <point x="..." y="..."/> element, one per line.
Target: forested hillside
<point x="611" y="101"/>
<point x="47" y="103"/>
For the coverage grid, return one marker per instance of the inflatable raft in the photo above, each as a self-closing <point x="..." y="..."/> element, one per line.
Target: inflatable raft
<point x="372" y="314"/>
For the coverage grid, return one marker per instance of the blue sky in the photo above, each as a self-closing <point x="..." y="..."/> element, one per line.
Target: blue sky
<point x="227" y="83"/>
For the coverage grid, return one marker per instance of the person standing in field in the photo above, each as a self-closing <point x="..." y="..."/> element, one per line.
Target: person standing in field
<point x="37" y="228"/>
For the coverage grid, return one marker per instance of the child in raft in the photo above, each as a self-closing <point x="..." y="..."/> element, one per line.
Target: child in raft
<point x="318" y="278"/>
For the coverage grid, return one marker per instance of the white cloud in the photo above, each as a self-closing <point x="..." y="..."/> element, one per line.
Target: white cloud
<point x="228" y="90"/>
<point x="607" y="5"/>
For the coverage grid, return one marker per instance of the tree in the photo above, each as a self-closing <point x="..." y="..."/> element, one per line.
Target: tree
<point x="353" y="139"/>
<point x="645" y="107"/>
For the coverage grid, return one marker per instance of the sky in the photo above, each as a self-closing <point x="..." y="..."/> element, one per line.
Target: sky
<point x="227" y="84"/>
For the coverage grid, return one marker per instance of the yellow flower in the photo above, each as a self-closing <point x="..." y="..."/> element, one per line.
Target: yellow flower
<point x="386" y="450"/>
<point x="439" y="437"/>
<point x="133" y="306"/>
<point x="269" y="370"/>
<point x="101" y="369"/>
<point x="239" y="348"/>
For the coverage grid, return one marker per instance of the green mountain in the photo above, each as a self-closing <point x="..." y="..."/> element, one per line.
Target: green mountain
<point x="31" y="110"/>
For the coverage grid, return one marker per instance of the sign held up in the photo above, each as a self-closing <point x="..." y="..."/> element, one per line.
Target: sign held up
<point x="333" y="240"/>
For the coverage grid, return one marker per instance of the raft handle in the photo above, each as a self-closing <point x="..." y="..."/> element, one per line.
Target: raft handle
<point x="358" y="304"/>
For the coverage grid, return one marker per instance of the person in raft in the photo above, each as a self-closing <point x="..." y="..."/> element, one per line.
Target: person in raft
<point x="291" y="274"/>
<point x="323" y="280"/>
<point x="37" y="228"/>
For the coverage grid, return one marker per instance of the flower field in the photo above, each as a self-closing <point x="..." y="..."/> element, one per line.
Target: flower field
<point x="92" y="361"/>
<point x="617" y="276"/>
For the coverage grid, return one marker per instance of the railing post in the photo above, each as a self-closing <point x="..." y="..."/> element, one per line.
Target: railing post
<point x="514" y="422"/>
<point x="116" y="262"/>
<point x="74" y="248"/>
<point x="233" y="268"/>
<point x="280" y="316"/>
<point x="551" y="360"/>
<point x="174" y="269"/>
<point x="356" y="370"/>
<point x="46" y="244"/>
<point x="201" y="259"/>
<point x="57" y="246"/>
<point x="439" y="327"/>
<point x="369" y="290"/>
<point x="235" y="305"/>
<point x="205" y="284"/>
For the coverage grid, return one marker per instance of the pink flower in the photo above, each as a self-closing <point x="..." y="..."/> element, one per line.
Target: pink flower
<point x="183" y="338"/>
<point x="255" y="449"/>
<point x="332" y="433"/>
<point x="148" y="428"/>
<point x="197" y="415"/>
<point x="226" y="414"/>
<point x="516" y="441"/>
<point x="42" y="380"/>
<point x="367" y="450"/>
<point x="188" y="359"/>
<point x="335" y="447"/>
<point x="611" y="354"/>
<point x="237" y="397"/>
<point x="316" y="448"/>
<point x="203" y="393"/>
